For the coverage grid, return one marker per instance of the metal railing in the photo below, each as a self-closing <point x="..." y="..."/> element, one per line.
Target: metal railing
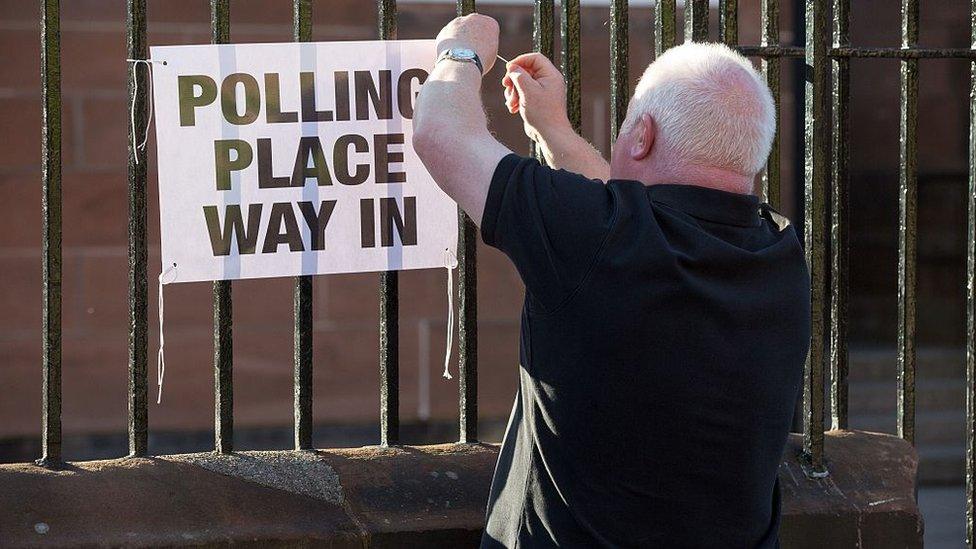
<point x="827" y="53"/>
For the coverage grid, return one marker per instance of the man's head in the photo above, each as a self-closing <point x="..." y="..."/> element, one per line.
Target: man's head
<point x="701" y="115"/>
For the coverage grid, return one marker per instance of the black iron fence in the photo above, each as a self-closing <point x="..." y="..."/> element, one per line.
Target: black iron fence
<point x="827" y="55"/>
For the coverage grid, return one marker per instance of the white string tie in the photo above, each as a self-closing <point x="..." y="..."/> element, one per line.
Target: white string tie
<point x="132" y="107"/>
<point x="160" y="356"/>
<point x="450" y="262"/>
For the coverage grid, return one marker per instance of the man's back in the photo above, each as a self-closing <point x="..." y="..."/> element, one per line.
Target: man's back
<point x="662" y="346"/>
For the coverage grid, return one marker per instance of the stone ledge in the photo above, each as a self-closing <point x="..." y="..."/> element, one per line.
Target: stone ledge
<point x="397" y="497"/>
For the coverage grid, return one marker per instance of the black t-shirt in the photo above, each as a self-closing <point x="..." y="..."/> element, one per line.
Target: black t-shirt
<point x="662" y="346"/>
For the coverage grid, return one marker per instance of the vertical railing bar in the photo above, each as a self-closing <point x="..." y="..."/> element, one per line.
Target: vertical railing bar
<point x="665" y="26"/>
<point x="468" y="305"/>
<point x="770" y="181"/>
<point x="816" y="149"/>
<point x="619" y="79"/>
<point x="696" y="20"/>
<point x="138" y="283"/>
<point x="907" y="201"/>
<point x="223" y="317"/>
<point x="971" y="303"/>
<point x="302" y="298"/>
<point x="728" y="22"/>
<point x="839" y="199"/>
<point x="51" y="237"/>
<point x="542" y="42"/>
<point x="569" y="32"/>
<point x="389" y="297"/>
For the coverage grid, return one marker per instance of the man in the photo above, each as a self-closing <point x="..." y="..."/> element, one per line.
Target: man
<point x="666" y="316"/>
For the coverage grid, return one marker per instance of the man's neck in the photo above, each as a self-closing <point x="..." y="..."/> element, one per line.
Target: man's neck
<point x="708" y="177"/>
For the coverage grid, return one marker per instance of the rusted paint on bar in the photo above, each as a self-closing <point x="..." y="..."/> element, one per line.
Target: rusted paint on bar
<point x="389" y="296"/>
<point x="907" y="199"/>
<point x="468" y="329"/>
<point x="971" y="303"/>
<point x="138" y="393"/>
<point x="543" y="19"/>
<point x="569" y="32"/>
<point x="839" y="200"/>
<point x="468" y="305"/>
<point x="770" y="181"/>
<point x="728" y="21"/>
<point x="619" y="79"/>
<point x="817" y="149"/>
<point x="223" y="317"/>
<point x="665" y="26"/>
<point x="51" y="237"/>
<point x="696" y="20"/>
<point x="389" y="359"/>
<point x="302" y="298"/>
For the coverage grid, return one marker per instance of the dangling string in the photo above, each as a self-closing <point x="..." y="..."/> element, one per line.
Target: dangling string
<point x="132" y="108"/>
<point x="160" y="356"/>
<point x="450" y="262"/>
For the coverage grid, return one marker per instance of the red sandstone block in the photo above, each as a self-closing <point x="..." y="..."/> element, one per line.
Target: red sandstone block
<point x="104" y="133"/>
<point x="20" y="121"/>
<point x="189" y="306"/>
<point x="500" y="289"/>
<point x="96" y="292"/>
<point x="15" y="10"/>
<point x="265" y="304"/>
<point x="20" y="380"/>
<point x="346" y="375"/>
<point x="263" y="380"/>
<point x="22" y="47"/>
<point x="351" y="297"/>
<point x="94" y="381"/>
<point x="20" y="294"/>
<point x="92" y="11"/>
<point x="95" y="209"/>
<point x="81" y="68"/>
<point x="188" y="401"/>
<point x="497" y="370"/>
<point x="20" y="227"/>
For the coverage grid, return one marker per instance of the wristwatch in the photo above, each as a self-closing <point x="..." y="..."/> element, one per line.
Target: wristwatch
<point x="464" y="55"/>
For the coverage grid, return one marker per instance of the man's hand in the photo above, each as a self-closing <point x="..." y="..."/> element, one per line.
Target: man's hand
<point x="477" y="32"/>
<point x="534" y="88"/>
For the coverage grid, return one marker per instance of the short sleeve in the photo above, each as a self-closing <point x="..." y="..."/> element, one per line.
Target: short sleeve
<point x="552" y="224"/>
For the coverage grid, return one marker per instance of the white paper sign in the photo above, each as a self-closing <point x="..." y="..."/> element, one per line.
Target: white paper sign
<point x="295" y="159"/>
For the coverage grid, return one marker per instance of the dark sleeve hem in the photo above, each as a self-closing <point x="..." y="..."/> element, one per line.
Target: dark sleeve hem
<point x="496" y="190"/>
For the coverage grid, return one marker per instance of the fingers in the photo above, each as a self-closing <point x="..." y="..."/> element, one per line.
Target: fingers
<point x="511" y="99"/>
<point x="524" y="85"/>
<point x="536" y="64"/>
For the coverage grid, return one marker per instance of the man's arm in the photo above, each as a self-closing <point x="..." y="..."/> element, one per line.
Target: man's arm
<point x="534" y="88"/>
<point x="450" y="130"/>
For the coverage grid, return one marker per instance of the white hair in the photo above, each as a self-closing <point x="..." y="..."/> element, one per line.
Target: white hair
<point x="711" y="107"/>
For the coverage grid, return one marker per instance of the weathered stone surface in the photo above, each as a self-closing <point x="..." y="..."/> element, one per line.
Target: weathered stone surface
<point x="418" y="496"/>
<point x="431" y="496"/>
<point x="867" y="500"/>
<point x="303" y="473"/>
<point x="157" y="502"/>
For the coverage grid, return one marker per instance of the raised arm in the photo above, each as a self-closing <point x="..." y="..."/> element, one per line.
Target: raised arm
<point x="534" y="88"/>
<point x="450" y="130"/>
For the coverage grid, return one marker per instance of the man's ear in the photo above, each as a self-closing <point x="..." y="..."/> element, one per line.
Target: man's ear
<point x="643" y="142"/>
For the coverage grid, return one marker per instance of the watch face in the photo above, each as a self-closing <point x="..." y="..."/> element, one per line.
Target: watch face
<point x="462" y="53"/>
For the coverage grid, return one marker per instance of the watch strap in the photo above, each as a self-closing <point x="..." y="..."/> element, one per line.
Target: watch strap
<point x="446" y="54"/>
